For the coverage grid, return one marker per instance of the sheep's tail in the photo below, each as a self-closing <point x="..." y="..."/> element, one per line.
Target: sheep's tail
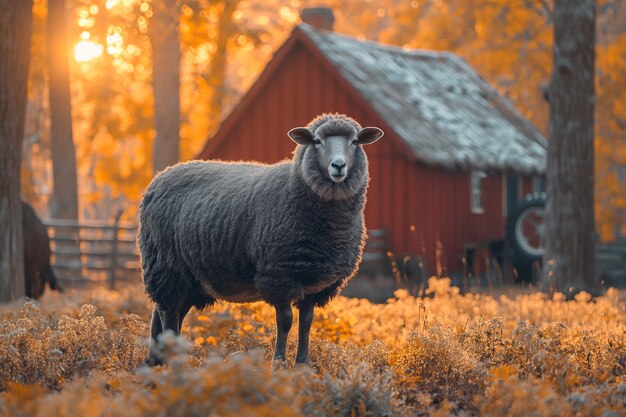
<point x="52" y="279"/>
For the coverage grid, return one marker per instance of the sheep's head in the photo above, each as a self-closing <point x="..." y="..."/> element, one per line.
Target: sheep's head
<point x="336" y="144"/>
<point x="330" y="156"/>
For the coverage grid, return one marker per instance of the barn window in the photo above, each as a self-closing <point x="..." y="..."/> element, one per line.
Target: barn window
<point x="476" y="197"/>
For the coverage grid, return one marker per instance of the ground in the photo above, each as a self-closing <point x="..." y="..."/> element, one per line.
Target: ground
<point x="81" y="353"/>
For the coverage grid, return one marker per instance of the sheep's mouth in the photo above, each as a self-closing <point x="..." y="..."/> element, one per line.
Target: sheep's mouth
<point x="338" y="178"/>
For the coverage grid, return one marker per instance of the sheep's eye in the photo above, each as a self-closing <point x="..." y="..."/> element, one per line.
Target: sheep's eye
<point x="317" y="141"/>
<point x="355" y="142"/>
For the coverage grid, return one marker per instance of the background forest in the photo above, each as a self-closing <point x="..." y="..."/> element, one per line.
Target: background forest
<point x="226" y="43"/>
<point x="103" y="115"/>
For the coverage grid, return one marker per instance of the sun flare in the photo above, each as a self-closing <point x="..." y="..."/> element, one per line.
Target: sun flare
<point x="85" y="51"/>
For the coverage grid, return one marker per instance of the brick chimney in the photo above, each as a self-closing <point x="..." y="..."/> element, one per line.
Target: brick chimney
<point x="319" y="17"/>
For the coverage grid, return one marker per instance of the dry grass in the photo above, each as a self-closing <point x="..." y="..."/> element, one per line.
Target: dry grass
<point x="81" y="354"/>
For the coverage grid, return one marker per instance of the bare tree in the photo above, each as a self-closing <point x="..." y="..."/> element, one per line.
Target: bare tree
<point x="65" y="193"/>
<point x="15" y="31"/>
<point x="163" y="31"/>
<point x="570" y="227"/>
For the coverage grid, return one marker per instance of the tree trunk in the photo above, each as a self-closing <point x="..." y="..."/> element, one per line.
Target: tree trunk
<point x="15" y="31"/>
<point x="64" y="204"/>
<point x="65" y="193"/>
<point x="217" y="68"/>
<point x="570" y="227"/>
<point x="166" y="56"/>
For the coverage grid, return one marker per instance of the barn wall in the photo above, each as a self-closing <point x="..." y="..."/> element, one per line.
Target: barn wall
<point x="439" y="208"/>
<point x="526" y="186"/>
<point x="417" y="204"/>
<point x="293" y="96"/>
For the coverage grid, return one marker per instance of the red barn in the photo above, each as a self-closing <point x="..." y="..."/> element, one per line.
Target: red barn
<point x="455" y="155"/>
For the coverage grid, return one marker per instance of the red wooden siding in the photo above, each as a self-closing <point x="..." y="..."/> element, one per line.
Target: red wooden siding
<point x="402" y="191"/>
<point x="438" y="205"/>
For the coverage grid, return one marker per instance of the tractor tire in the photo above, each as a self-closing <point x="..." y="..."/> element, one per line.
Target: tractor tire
<point x="525" y="229"/>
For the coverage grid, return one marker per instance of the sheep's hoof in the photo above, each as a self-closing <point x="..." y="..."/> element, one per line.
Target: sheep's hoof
<point x="302" y="362"/>
<point x="280" y="362"/>
<point x="154" y="360"/>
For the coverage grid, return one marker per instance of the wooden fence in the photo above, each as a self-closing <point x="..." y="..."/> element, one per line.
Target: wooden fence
<point x="93" y="250"/>
<point x="96" y="250"/>
<point x="611" y="262"/>
<point x="376" y="258"/>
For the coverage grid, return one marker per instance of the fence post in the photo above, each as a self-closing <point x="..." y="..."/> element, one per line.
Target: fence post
<point x="113" y="267"/>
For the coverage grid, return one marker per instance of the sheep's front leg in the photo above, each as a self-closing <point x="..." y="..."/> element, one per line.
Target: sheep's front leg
<point x="304" y="328"/>
<point x="284" y="319"/>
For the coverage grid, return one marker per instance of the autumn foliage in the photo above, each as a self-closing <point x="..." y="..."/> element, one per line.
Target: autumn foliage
<point x="225" y="45"/>
<point x="443" y="354"/>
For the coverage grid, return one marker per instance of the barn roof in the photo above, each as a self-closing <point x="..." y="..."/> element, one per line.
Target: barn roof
<point x="437" y="104"/>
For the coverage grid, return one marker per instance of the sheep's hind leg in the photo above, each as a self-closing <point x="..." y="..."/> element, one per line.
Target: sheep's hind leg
<point x="304" y="328"/>
<point x="169" y="321"/>
<point x="284" y="319"/>
<point x="161" y="321"/>
<point x="182" y="313"/>
<point x="155" y="330"/>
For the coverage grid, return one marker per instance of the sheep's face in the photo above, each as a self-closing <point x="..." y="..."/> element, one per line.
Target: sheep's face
<point x="336" y="151"/>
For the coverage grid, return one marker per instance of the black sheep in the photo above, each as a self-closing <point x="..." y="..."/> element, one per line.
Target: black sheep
<point x="288" y="233"/>
<point x="37" y="270"/>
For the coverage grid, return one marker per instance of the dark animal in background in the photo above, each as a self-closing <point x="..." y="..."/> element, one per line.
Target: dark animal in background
<point x="288" y="233"/>
<point x="37" y="270"/>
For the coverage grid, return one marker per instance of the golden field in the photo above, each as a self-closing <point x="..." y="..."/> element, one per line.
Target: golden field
<point x="81" y="353"/>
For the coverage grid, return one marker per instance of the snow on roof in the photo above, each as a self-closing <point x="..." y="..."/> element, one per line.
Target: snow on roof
<point x="437" y="104"/>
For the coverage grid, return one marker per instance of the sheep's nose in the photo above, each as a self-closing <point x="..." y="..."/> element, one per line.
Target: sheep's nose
<point x="338" y="169"/>
<point x="339" y="165"/>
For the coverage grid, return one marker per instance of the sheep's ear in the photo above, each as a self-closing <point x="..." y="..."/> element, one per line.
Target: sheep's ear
<point x="301" y="135"/>
<point x="369" y="135"/>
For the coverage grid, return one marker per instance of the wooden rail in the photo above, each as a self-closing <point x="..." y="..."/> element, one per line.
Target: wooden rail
<point x="611" y="262"/>
<point x="93" y="250"/>
<point x="375" y="254"/>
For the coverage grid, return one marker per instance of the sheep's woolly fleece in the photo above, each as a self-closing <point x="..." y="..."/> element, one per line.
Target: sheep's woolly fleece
<point x="244" y="232"/>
